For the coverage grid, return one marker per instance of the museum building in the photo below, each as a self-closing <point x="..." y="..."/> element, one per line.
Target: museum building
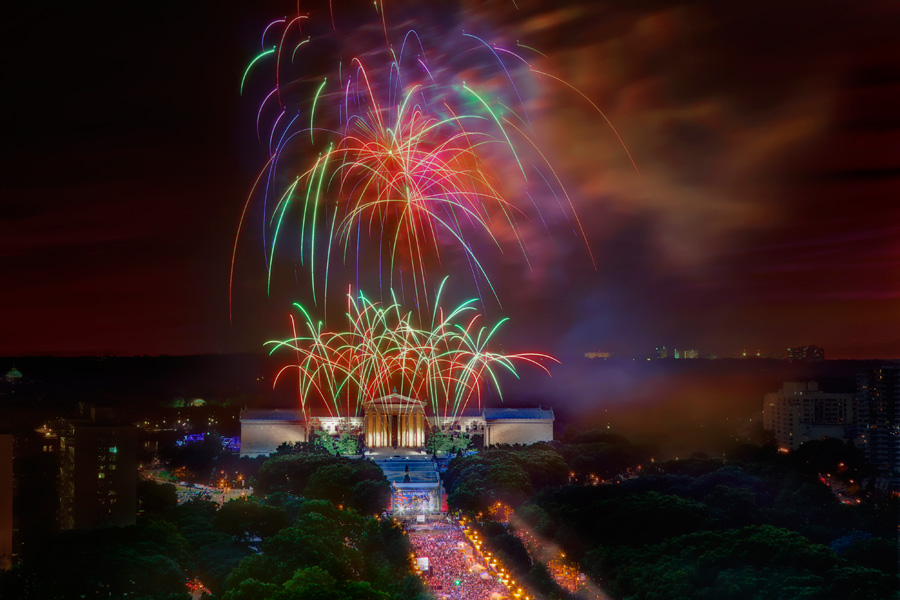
<point x="394" y="421"/>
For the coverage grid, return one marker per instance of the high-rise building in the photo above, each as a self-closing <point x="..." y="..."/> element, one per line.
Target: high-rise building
<point x="805" y="354"/>
<point x="801" y="412"/>
<point x="6" y="501"/>
<point x="878" y="396"/>
<point x="662" y="352"/>
<point x="98" y="475"/>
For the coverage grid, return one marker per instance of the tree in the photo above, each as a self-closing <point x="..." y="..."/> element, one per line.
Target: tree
<point x="757" y="562"/>
<point x="646" y="518"/>
<point x="737" y="504"/>
<point x="328" y="553"/>
<point x="312" y="583"/>
<point x="245" y="518"/>
<point x="290" y="472"/>
<point x="348" y="444"/>
<point x="447" y="442"/>
<point x="331" y="482"/>
<point x="829" y="455"/>
<point x="154" y="497"/>
<point x="140" y="561"/>
<point x="371" y="497"/>
<point x="544" y="465"/>
<point x="252" y="589"/>
<point x="321" y="475"/>
<point x="506" y="474"/>
<point x="476" y="482"/>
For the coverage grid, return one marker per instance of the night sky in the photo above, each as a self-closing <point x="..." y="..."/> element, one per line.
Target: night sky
<point x="766" y="212"/>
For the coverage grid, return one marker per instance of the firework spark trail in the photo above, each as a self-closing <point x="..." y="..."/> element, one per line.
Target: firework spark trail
<point x="446" y="363"/>
<point x="403" y="175"/>
<point x="406" y="161"/>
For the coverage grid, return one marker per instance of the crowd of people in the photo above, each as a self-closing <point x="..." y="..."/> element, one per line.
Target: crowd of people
<point x="456" y="570"/>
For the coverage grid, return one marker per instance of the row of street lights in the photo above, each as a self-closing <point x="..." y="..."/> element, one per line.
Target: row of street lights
<point x="504" y="576"/>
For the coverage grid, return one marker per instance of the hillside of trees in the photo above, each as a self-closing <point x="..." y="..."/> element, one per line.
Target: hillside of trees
<point x="754" y="524"/>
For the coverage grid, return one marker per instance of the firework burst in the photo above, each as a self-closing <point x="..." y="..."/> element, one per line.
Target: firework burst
<point x="398" y="163"/>
<point x="445" y="362"/>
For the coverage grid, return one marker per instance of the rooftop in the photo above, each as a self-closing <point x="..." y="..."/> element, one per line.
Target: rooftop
<point x="394" y="399"/>
<point x="493" y="414"/>
<point x="272" y="414"/>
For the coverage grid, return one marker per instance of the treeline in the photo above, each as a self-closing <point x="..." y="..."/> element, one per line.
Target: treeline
<point x="309" y="533"/>
<point x="502" y="474"/>
<point x="354" y="483"/>
<point x="328" y="553"/>
<point x="755" y="524"/>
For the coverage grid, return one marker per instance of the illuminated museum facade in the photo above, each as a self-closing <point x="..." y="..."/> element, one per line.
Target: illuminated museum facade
<point x="393" y="421"/>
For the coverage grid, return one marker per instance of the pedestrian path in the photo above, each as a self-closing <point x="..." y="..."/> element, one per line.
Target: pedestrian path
<point x="451" y="567"/>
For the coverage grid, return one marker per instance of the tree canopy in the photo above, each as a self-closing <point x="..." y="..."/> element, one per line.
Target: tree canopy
<point x="502" y="474"/>
<point x="329" y="553"/>
<point x="353" y="482"/>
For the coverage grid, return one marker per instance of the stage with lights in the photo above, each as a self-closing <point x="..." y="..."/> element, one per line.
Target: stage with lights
<point x="415" y="482"/>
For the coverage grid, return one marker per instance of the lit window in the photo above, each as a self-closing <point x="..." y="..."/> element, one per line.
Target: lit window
<point x="101" y="475"/>
<point x="113" y="449"/>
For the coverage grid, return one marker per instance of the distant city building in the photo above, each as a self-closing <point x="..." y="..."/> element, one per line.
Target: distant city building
<point x="98" y="475"/>
<point x="13" y="375"/>
<point x="691" y="354"/>
<point x="662" y="352"/>
<point x="805" y="354"/>
<point x="36" y="490"/>
<point x="597" y="354"/>
<point x="6" y="501"/>
<point x="394" y="421"/>
<point x="801" y="412"/>
<point x="878" y="397"/>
